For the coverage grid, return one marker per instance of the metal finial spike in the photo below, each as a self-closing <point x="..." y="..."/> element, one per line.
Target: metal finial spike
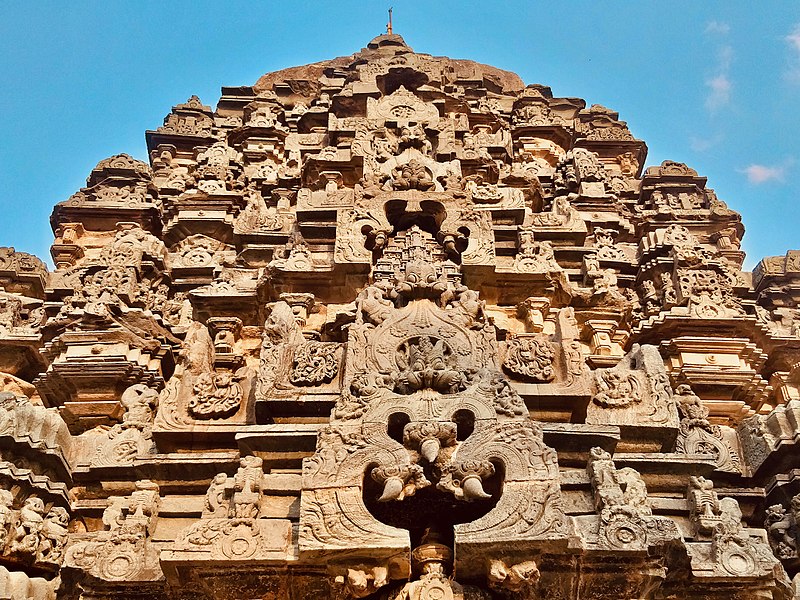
<point x="389" y="24"/>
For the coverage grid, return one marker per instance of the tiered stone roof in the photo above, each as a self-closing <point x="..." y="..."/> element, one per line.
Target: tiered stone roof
<point x="397" y="326"/>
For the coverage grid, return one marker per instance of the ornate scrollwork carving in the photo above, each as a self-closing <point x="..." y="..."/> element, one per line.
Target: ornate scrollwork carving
<point x="315" y="363"/>
<point x="216" y="395"/>
<point x="530" y="358"/>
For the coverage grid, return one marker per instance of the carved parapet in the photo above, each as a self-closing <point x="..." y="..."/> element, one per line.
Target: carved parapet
<point x="636" y="395"/>
<point x="664" y="239"/>
<point x="125" y="550"/>
<point x="219" y="542"/>
<point x="768" y="440"/>
<point x="562" y="220"/>
<point x="211" y="213"/>
<point x="625" y="521"/>
<point x="18" y="585"/>
<point x="118" y="189"/>
<point x="36" y="480"/>
<point x="22" y="273"/>
<point x="187" y="125"/>
<point x="234" y="527"/>
<point x="264" y="220"/>
<point x="722" y="547"/>
<point x="26" y="422"/>
<point x="234" y="291"/>
<point x="36" y="438"/>
<point x="774" y="272"/>
<point x="734" y="557"/>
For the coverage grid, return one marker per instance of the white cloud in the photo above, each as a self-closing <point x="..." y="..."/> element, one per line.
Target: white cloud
<point x="725" y="56"/>
<point x="793" y="39"/>
<point x="718" y="27"/>
<point x="792" y="73"/>
<point x="719" y="94"/>
<point x="758" y="174"/>
<point x="701" y="144"/>
<point x="719" y="85"/>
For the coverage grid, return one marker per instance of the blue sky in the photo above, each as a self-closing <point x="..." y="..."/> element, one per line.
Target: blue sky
<point x="712" y="84"/>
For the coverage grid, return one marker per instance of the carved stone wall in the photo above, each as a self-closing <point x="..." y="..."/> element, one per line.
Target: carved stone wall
<point x="397" y="326"/>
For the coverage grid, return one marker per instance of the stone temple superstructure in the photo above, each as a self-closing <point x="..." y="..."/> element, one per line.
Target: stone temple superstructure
<point x="396" y="326"/>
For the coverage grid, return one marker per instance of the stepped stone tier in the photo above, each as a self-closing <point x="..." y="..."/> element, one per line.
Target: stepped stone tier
<point x="400" y="327"/>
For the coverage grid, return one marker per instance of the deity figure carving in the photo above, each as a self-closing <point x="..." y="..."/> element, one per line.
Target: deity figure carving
<point x="427" y="362"/>
<point x="54" y="536"/>
<point x="626" y="519"/>
<point x="782" y="530"/>
<point x="533" y="256"/>
<point x="25" y="535"/>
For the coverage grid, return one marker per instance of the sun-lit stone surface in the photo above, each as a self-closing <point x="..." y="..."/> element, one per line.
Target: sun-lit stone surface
<point x="397" y="326"/>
